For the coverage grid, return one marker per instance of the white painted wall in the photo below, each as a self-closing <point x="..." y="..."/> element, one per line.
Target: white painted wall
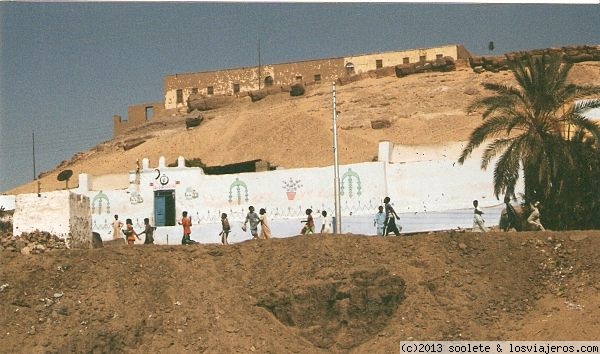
<point x="428" y="188"/>
<point x="7" y="202"/>
<point x="48" y="212"/>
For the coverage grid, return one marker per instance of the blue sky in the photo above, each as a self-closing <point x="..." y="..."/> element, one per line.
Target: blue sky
<point x="67" y="68"/>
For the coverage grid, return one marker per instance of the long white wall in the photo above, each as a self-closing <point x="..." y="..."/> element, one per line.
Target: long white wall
<point x="428" y="188"/>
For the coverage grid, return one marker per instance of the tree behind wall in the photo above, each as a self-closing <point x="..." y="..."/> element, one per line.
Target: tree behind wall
<point x="527" y="124"/>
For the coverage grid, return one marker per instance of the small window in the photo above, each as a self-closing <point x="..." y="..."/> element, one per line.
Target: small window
<point x="180" y="96"/>
<point x="317" y="77"/>
<point x="422" y="58"/>
<point x="405" y="60"/>
<point x="439" y="56"/>
<point x="164" y="208"/>
<point x="299" y="78"/>
<point x="349" y="68"/>
<point x="268" y="81"/>
<point x="236" y="88"/>
<point x="210" y="90"/>
<point x="378" y="63"/>
<point x="194" y="90"/>
<point x="149" y="112"/>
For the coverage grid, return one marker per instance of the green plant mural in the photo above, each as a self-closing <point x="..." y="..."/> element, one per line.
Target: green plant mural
<point x="237" y="185"/>
<point x="349" y="176"/>
<point x="97" y="203"/>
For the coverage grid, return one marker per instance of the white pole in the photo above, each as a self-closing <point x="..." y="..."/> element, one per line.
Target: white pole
<point x="336" y="170"/>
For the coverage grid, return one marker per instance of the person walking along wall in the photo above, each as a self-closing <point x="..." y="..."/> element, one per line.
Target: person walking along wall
<point x="390" y="219"/>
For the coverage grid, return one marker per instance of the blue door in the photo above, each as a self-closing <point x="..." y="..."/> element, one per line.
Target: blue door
<point x="164" y="208"/>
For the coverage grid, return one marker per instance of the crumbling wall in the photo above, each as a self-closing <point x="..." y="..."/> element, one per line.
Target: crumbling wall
<point x="136" y="116"/>
<point x="571" y="54"/>
<point x="80" y="221"/>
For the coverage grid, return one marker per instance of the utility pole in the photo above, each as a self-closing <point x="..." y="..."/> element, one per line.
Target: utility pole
<point x="336" y="170"/>
<point x="259" y="64"/>
<point x="33" y="160"/>
<point x="33" y="153"/>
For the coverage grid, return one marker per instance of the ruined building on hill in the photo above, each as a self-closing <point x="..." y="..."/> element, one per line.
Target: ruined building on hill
<point x="178" y="88"/>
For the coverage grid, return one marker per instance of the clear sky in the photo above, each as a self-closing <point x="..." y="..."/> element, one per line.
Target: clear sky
<point x="67" y="68"/>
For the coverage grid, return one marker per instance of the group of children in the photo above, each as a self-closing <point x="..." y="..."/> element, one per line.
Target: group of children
<point x="130" y="233"/>
<point x="384" y="221"/>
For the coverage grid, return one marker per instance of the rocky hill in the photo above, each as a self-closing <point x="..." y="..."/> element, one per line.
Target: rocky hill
<point x="425" y="108"/>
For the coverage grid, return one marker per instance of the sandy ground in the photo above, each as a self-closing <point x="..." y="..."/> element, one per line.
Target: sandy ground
<point x="428" y="108"/>
<point x="307" y="294"/>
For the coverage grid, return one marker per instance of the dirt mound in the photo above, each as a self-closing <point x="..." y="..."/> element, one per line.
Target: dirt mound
<point x="339" y="293"/>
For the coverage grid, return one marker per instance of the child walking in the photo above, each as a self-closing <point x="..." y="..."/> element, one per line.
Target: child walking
<point x="130" y="234"/>
<point x="309" y="228"/>
<point x="225" y="229"/>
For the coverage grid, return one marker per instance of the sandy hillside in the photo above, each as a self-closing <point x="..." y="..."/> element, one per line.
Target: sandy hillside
<point x="426" y="108"/>
<point x="307" y="294"/>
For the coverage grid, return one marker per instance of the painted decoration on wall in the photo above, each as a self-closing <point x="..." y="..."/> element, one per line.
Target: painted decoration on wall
<point x="291" y="186"/>
<point x="98" y="203"/>
<point x="135" y="198"/>
<point x="348" y="177"/>
<point x="191" y="193"/>
<point x="237" y="185"/>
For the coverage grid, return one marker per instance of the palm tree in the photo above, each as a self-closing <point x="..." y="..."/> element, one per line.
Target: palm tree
<point x="527" y="124"/>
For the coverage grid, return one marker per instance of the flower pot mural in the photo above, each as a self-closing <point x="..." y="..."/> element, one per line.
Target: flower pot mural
<point x="291" y="186"/>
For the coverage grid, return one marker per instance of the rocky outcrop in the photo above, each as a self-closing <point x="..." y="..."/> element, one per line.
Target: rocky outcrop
<point x="442" y="64"/>
<point x="205" y="103"/>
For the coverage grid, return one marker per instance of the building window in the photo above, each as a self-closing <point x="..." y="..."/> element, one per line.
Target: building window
<point x="180" y="96"/>
<point x="164" y="208"/>
<point x="439" y="56"/>
<point x="236" y="88"/>
<point x="378" y="64"/>
<point x="422" y="58"/>
<point x="194" y="90"/>
<point x="268" y="81"/>
<point x="349" y="68"/>
<point x="299" y="78"/>
<point x="210" y="90"/>
<point x="149" y="112"/>
<point x="317" y="77"/>
<point x="405" y="60"/>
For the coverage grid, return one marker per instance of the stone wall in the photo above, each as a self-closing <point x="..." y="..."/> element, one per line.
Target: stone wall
<point x="80" y="221"/>
<point x="179" y="87"/>
<point x="571" y="54"/>
<point x="222" y="82"/>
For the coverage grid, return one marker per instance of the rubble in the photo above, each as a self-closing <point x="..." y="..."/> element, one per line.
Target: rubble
<point x="36" y="242"/>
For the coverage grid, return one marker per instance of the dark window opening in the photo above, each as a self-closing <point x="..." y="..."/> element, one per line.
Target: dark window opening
<point x="317" y="77"/>
<point x="299" y="78"/>
<point x="405" y="60"/>
<point x="164" y="208"/>
<point x="439" y="56"/>
<point x="194" y="90"/>
<point x="378" y="63"/>
<point x="236" y="88"/>
<point x="422" y="58"/>
<point x="149" y="112"/>
<point x="349" y="68"/>
<point x="180" y="96"/>
<point x="210" y="90"/>
<point x="268" y="81"/>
